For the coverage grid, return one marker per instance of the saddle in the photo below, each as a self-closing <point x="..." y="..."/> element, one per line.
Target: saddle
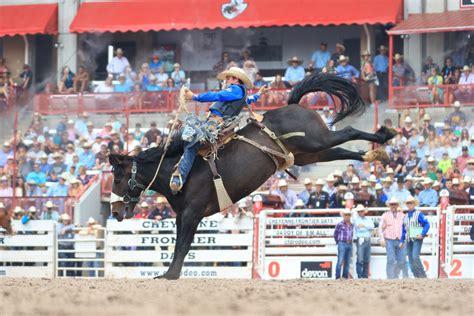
<point x="225" y="136"/>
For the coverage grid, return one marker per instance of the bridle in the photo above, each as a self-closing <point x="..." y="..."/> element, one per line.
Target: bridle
<point x="132" y="184"/>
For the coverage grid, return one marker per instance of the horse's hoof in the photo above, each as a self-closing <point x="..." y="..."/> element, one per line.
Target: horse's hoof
<point x="167" y="276"/>
<point x="386" y="134"/>
<point x="376" y="155"/>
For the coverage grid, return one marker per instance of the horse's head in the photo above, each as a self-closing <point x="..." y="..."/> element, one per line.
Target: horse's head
<point x="5" y="221"/>
<point x="127" y="186"/>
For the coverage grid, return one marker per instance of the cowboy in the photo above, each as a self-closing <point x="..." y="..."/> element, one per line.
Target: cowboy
<point x="346" y="71"/>
<point x="415" y="228"/>
<point x="363" y="231"/>
<point x="390" y="231"/>
<point x="162" y="211"/>
<point x="30" y="216"/>
<point x="49" y="213"/>
<point x="381" y="69"/>
<point x="228" y="103"/>
<point x="295" y="73"/>
<point x="319" y="198"/>
<point x="305" y="194"/>
<point x="118" y="64"/>
<point x="144" y="211"/>
<point x="343" y="238"/>
<point x="428" y="197"/>
<point x="287" y="196"/>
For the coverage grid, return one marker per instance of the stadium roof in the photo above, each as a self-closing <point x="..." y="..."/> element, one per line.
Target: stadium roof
<point x="28" y="19"/>
<point x="451" y="21"/>
<point x="166" y="15"/>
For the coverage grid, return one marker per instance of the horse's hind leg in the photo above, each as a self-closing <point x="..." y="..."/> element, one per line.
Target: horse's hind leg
<point x="189" y="223"/>
<point x="340" y="154"/>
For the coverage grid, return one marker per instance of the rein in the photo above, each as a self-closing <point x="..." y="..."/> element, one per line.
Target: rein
<point x="132" y="183"/>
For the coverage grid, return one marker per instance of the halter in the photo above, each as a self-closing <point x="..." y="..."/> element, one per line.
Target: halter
<point x="132" y="184"/>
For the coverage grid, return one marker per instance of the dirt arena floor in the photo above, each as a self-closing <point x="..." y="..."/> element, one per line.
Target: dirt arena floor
<point x="235" y="297"/>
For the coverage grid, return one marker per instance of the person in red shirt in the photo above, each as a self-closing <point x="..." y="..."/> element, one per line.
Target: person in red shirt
<point x="144" y="211"/>
<point x="463" y="159"/>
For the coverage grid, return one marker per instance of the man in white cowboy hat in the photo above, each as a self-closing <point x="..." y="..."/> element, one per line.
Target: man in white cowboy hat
<point x="400" y="193"/>
<point x="228" y="103"/>
<point x="454" y="118"/>
<point x="390" y="232"/>
<point x="402" y="72"/>
<point x="18" y="212"/>
<point x="65" y="232"/>
<point x="329" y="186"/>
<point x="428" y="197"/>
<point x="118" y="64"/>
<point x="318" y="199"/>
<point x="470" y="192"/>
<point x="287" y="196"/>
<point x="144" y="211"/>
<point x="355" y="184"/>
<point x="31" y="215"/>
<point x="426" y="126"/>
<point x="6" y="151"/>
<point x="345" y="70"/>
<point x="465" y="91"/>
<point x="339" y="50"/>
<point x="343" y="236"/>
<point x="162" y="211"/>
<point x="415" y="228"/>
<point x="87" y="157"/>
<point x="49" y="213"/>
<point x="381" y="69"/>
<point x="380" y="196"/>
<point x="59" y="188"/>
<point x="363" y="227"/>
<point x="304" y="195"/>
<point x="295" y="73"/>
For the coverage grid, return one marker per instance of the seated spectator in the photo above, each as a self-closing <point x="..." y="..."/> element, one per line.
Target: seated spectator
<point x="304" y="195"/>
<point x="295" y="73"/>
<point x="103" y="154"/>
<point x="178" y="75"/>
<point x="277" y="97"/>
<point x="4" y="71"/>
<point x="287" y="196"/>
<point x="153" y="85"/>
<point x="49" y="213"/>
<point x="250" y="68"/>
<point x="429" y="65"/>
<point x="5" y="153"/>
<point x="81" y="80"/>
<point x="66" y="81"/>
<point x="123" y="85"/>
<point x="222" y="64"/>
<point x="36" y="175"/>
<point x="75" y="187"/>
<point x="116" y="124"/>
<point x="30" y="216"/>
<point x="162" y="211"/>
<point x="434" y="81"/>
<point x="131" y="142"/>
<point x="32" y="188"/>
<point x="5" y="189"/>
<point x="259" y="81"/>
<point x="428" y="197"/>
<point x="87" y="157"/>
<point x="170" y="86"/>
<point x="144" y="211"/>
<point x="83" y="177"/>
<point x="340" y="49"/>
<point x="407" y="129"/>
<point x="161" y="77"/>
<point x="130" y="76"/>
<point x="138" y="133"/>
<point x="155" y="63"/>
<point x="465" y="91"/>
<point x="106" y="86"/>
<point x="318" y="199"/>
<point x="448" y="71"/>
<point x="454" y="118"/>
<point x="345" y="70"/>
<point x="58" y="167"/>
<point x="422" y="80"/>
<point x="468" y="171"/>
<point x="152" y="134"/>
<point x="59" y="188"/>
<point x="411" y="163"/>
<point x="115" y="145"/>
<point x="118" y="64"/>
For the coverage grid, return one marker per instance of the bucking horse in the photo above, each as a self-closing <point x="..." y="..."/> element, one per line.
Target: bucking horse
<point x="244" y="165"/>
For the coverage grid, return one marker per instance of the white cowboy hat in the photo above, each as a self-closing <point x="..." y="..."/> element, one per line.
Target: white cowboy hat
<point x="307" y="181"/>
<point x="2" y="205"/>
<point x="456" y="181"/>
<point x="294" y="59"/>
<point x="160" y="199"/>
<point x="364" y="183"/>
<point x="348" y="196"/>
<point x="387" y="179"/>
<point x="360" y="208"/>
<point x="393" y="200"/>
<point x="466" y="68"/>
<point x="355" y="180"/>
<point x="32" y="209"/>
<point x="426" y="117"/>
<point x="389" y="171"/>
<point x="408" y="119"/>
<point x="144" y="204"/>
<point x="427" y="180"/>
<point x="397" y="56"/>
<point x="408" y="178"/>
<point x="237" y="73"/>
<point x="466" y="179"/>
<point x="65" y="217"/>
<point x="436" y="184"/>
<point x="319" y="182"/>
<point x="346" y="211"/>
<point x="91" y="220"/>
<point x="282" y="183"/>
<point x="342" y="58"/>
<point x="18" y="209"/>
<point x="430" y="159"/>
<point x="330" y="178"/>
<point x="299" y="202"/>
<point x="338" y="173"/>
<point x="421" y="139"/>
<point x="457" y="104"/>
<point x="372" y="178"/>
<point x="366" y="53"/>
<point x="378" y="186"/>
<point x="410" y="199"/>
<point x="49" y="204"/>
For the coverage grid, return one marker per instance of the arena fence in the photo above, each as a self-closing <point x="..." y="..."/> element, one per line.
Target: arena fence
<point x="276" y="244"/>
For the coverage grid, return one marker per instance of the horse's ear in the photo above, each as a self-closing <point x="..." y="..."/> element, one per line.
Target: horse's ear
<point x="115" y="159"/>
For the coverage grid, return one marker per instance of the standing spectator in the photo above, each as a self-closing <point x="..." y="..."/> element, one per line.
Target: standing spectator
<point x="343" y="237"/>
<point x="465" y="93"/>
<point x="415" y="228"/>
<point x="222" y="64"/>
<point x="178" y="75"/>
<point x="144" y="211"/>
<point x="320" y="58"/>
<point x="118" y="64"/>
<point x="381" y="69"/>
<point x="428" y="197"/>
<point x="434" y="82"/>
<point x="155" y="63"/>
<point x="455" y="117"/>
<point x="363" y="231"/>
<point x="390" y="230"/>
<point x="295" y="73"/>
<point x="369" y="76"/>
<point x="162" y="211"/>
<point x="49" y="213"/>
<point x="87" y="157"/>
<point x="287" y="196"/>
<point x="81" y="123"/>
<point x="402" y="72"/>
<point x="245" y="56"/>
<point x="66" y="80"/>
<point x="345" y="70"/>
<point x="4" y="71"/>
<point x="81" y="80"/>
<point x="276" y="95"/>
<point x="318" y="199"/>
<point x="152" y="133"/>
<point x="305" y="194"/>
<point x="65" y="232"/>
<point x="340" y="49"/>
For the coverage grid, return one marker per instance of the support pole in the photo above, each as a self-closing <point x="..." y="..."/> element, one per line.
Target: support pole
<point x="390" y="72"/>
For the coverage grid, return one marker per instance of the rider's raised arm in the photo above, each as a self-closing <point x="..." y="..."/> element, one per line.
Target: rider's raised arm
<point x="232" y="93"/>
<point x="253" y="98"/>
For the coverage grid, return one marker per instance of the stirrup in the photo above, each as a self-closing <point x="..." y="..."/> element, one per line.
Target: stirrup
<point x="176" y="186"/>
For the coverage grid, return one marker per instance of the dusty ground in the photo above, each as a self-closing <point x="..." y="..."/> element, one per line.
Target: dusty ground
<point x="235" y="297"/>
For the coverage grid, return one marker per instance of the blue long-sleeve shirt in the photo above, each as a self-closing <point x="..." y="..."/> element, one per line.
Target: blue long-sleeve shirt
<point x="423" y="222"/>
<point x="294" y="74"/>
<point x="366" y="231"/>
<point x="347" y="71"/>
<point x="231" y="93"/>
<point x="428" y="197"/>
<point x="381" y="63"/>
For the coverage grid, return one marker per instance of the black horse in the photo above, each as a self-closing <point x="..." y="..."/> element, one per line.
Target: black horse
<point x="243" y="167"/>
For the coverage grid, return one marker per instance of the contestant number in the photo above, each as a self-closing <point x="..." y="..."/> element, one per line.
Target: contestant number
<point x="274" y="269"/>
<point x="456" y="271"/>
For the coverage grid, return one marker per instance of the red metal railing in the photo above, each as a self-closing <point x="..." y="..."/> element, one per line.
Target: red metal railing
<point x="425" y="96"/>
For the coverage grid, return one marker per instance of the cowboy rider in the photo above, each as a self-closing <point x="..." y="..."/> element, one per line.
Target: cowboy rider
<point x="228" y="103"/>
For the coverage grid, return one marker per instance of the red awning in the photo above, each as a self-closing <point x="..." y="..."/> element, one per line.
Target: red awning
<point x="28" y="19"/>
<point x="200" y="14"/>
<point x="451" y="21"/>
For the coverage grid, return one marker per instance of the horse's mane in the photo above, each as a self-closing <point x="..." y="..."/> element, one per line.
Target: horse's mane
<point x="153" y="154"/>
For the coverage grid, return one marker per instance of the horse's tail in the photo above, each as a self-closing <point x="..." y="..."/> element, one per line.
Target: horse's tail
<point x="350" y="101"/>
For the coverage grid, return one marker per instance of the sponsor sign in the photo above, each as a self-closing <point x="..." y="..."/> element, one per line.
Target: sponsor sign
<point x="316" y="269"/>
